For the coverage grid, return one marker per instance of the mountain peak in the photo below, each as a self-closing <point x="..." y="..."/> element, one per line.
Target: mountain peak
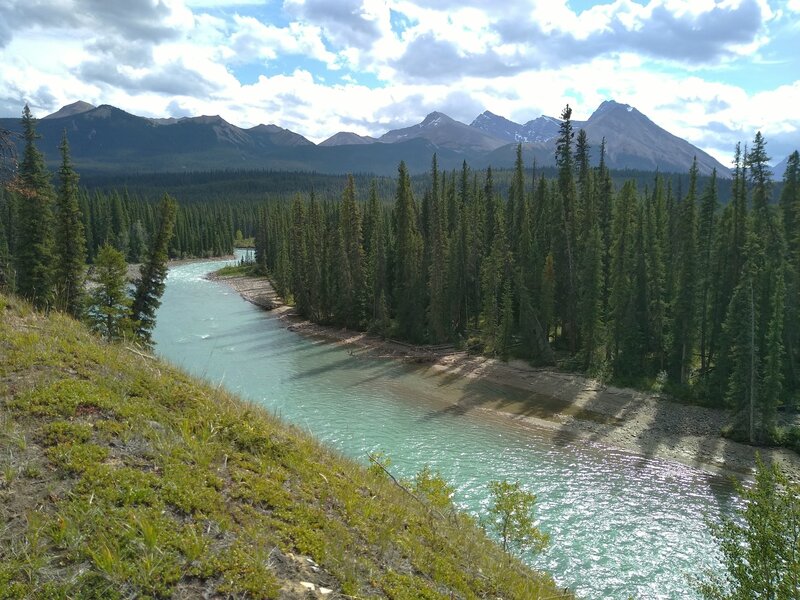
<point x="538" y="130"/>
<point x="347" y="138"/>
<point x="435" y="118"/>
<point x="607" y="106"/>
<point x="69" y="110"/>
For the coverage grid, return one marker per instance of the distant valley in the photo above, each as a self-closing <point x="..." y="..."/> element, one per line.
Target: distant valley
<point x="108" y="139"/>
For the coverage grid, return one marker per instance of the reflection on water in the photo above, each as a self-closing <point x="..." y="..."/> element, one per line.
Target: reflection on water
<point x="621" y="525"/>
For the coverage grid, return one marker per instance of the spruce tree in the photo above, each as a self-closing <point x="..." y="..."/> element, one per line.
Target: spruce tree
<point x="153" y="273"/>
<point x="408" y="261"/>
<point x="33" y="252"/>
<point x="705" y="268"/>
<point x="566" y="256"/>
<point x="350" y="223"/>
<point x="70" y="244"/>
<point x="684" y="298"/>
<point x="109" y="304"/>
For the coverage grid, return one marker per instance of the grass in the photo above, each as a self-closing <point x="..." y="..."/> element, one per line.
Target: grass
<point x="240" y="270"/>
<point x="121" y="476"/>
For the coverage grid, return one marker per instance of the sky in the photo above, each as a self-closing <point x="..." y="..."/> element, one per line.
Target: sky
<point x="712" y="72"/>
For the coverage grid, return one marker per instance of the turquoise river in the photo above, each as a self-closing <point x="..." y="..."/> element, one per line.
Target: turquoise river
<point x="621" y="525"/>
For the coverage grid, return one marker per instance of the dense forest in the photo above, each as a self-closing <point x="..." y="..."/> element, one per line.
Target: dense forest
<point x="664" y="287"/>
<point x="48" y="233"/>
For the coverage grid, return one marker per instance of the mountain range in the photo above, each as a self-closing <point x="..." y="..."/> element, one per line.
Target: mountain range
<point x="108" y="139"/>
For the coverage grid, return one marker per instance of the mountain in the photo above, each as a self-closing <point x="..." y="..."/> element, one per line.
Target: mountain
<point x="107" y="139"/>
<point x="445" y="132"/>
<point x="779" y="169"/>
<point x="633" y="141"/>
<point x="347" y="138"/>
<point x="278" y="136"/>
<point x="541" y="129"/>
<point x="75" y="108"/>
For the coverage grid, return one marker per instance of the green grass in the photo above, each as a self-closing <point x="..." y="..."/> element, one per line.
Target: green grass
<point x="245" y="270"/>
<point x="121" y="476"/>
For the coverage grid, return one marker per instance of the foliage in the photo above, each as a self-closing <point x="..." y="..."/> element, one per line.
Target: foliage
<point x="110" y="304"/>
<point x="511" y="518"/>
<point x="153" y="273"/>
<point x="760" y="543"/>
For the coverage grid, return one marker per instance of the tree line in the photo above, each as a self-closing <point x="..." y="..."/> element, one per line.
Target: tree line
<point x="48" y="232"/>
<point x="652" y="286"/>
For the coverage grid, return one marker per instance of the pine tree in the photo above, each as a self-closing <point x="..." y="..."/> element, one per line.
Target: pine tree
<point x="350" y="220"/>
<point x="70" y="244"/>
<point x="566" y="257"/>
<point x="438" y="310"/>
<point x="153" y="273"/>
<point x="705" y="268"/>
<point x="299" y="257"/>
<point x="623" y="338"/>
<point x="109" y="305"/>
<point x="790" y="208"/>
<point x="408" y="262"/>
<point x="684" y="299"/>
<point x="34" y="244"/>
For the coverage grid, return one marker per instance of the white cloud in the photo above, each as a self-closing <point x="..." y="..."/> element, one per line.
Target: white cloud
<point x="519" y="60"/>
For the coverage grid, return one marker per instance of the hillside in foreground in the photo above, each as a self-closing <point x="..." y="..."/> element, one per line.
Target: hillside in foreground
<point x="121" y="476"/>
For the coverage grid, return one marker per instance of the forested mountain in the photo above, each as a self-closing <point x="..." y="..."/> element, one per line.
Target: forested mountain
<point x="107" y="139"/>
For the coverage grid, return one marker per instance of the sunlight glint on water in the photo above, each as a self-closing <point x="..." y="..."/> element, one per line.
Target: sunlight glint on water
<point x="621" y="525"/>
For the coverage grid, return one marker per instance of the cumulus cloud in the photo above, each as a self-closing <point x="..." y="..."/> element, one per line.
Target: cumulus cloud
<point x="518" y="59"/>
<point x="346" y="23"/>
<point x="253" y="39"/>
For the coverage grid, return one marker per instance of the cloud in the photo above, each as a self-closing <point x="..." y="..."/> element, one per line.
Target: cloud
<point x="428" y="58"/>
<point x="133" y="20"/>
<point x="518" y="59"/>
<point x="174" y="78"/>
<point x="253" y="40"/>
<point x="346" y="23"/>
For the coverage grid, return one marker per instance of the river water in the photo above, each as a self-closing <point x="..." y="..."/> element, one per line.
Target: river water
<point x="621" y="525"/>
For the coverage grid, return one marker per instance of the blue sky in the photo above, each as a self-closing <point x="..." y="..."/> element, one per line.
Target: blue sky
<point x="713" y="72"/>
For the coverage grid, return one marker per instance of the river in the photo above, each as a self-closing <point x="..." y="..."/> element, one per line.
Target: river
<point x="621" y="525"/>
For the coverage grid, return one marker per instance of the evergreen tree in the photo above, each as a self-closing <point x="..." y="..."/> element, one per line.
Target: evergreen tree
<point x="684" y="299"/>
<point x="153" y="273"/>
<point x="705" y="271"/>
<point x="299" y="258"/>
<point x="350" y="220"/>
<point x="110" y="303"/>
<point x="622" y="329"/>
<point x="33" y="252"/>
<point x="70" y="244"/>
<point x="566" y="257"/>
<point x="408" y="261"/>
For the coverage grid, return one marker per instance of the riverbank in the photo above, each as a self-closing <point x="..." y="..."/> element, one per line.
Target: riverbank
<point x="577" y="407"/>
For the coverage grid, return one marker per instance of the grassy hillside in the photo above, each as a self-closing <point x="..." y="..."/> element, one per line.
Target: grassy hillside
<point x="121" y="477"/>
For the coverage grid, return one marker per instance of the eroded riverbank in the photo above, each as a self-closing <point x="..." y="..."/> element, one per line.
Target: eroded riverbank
<point x="576" y="406"/>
